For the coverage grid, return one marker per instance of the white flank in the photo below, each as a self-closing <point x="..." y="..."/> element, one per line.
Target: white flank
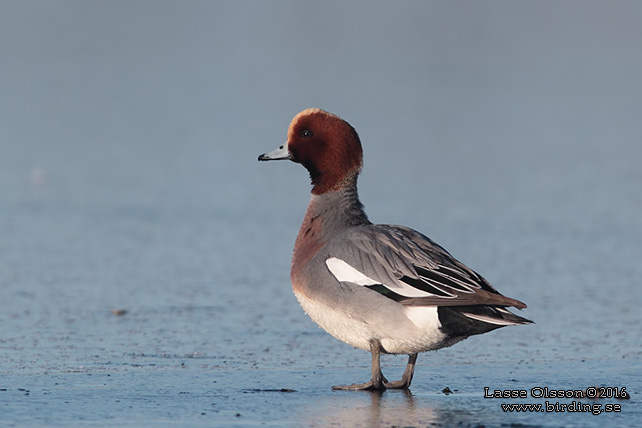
<point x="424" y="317"/>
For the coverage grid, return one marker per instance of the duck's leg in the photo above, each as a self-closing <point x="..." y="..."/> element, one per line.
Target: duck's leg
<point x="404" y="383"/>
<point x="377" y="380"/>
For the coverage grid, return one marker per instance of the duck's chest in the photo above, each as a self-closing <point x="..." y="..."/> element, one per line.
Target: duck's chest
<point x="309" y="243"/>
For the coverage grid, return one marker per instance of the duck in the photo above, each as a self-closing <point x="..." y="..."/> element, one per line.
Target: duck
<point x="385" y="289"/>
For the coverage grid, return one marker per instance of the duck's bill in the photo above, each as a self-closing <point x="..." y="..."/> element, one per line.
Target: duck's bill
<point x="277" y="154"/>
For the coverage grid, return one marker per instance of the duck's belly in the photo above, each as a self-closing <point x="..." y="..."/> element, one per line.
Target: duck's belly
<point x="420" y="332"/>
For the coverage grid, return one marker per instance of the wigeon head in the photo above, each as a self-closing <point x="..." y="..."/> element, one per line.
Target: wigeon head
<point x="326" y="145"/>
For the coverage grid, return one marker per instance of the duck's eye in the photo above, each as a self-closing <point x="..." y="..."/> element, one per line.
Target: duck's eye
<point x="306" y="133"/>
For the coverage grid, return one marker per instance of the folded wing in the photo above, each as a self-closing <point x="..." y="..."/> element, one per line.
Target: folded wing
<point x="408" y="267"/>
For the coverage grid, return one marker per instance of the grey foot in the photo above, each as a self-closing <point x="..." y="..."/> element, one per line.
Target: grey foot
<point x="398" y="384"/>
<point x="404" y="383"/>
<point x="368" y="386"/>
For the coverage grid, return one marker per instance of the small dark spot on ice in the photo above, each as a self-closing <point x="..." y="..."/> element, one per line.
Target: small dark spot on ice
<point x="446" y="391"/>
<point x="518" y="425"/>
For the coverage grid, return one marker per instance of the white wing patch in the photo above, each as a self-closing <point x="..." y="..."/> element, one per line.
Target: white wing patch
<point x="343" y="272"/>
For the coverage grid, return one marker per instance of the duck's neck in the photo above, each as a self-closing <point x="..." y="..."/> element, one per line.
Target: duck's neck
<point x="337" y="209"/>
<point x="328" y="215"/>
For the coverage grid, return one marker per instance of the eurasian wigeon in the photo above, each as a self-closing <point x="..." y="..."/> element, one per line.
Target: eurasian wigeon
<point x="380" y="288"/>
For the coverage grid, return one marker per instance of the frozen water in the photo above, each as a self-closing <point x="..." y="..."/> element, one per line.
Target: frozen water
<point x="145" y="253"/>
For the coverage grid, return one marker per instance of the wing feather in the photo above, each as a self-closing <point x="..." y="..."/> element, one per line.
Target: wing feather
<point x="416" y="270"/>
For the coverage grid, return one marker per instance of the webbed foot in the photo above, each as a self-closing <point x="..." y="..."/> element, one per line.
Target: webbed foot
<point x="404" y="383"/>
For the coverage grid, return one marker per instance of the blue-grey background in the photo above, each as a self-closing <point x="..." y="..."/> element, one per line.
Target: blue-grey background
<point x="144" y="252"/>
